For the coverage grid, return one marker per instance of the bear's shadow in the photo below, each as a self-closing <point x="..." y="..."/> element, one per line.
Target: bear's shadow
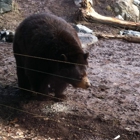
<point x="11" y="109"/>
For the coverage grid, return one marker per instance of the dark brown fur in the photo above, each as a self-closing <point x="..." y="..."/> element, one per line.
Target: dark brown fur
<point x="48" y="36"/>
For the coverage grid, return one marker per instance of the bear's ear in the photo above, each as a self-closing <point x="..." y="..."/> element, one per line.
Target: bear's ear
<point x="86" y="55"/>
<point x="63" y="57"/>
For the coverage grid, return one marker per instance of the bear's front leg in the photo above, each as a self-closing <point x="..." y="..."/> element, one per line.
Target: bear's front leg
<point x="59" y="87"/>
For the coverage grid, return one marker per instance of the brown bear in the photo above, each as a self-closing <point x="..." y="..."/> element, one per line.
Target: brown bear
<point x="48" y="53"/>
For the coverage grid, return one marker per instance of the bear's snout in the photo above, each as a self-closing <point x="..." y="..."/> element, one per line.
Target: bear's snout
<point x="84" y="83"/>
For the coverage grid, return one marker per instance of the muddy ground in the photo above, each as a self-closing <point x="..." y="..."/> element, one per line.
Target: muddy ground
<point x="111" y="107"/>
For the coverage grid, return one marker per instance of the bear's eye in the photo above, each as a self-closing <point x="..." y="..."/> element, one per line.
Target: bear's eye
<point x="80" y="78"/>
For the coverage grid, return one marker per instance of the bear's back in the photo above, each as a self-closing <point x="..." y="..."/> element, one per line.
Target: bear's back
<point x="49" y="33"/>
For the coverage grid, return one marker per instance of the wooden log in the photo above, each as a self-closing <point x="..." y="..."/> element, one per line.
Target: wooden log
<point x="89" y="14"/>
<point x="133" y="39"/>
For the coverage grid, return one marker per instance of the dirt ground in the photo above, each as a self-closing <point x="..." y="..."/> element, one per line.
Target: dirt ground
<point x="109" y="108"/>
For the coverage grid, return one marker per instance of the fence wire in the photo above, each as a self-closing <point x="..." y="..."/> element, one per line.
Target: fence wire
<point x="57" y="121"/>
<point x="36" y="115"/>
<point x="48" y="59"/>
<point x="60" y="76"/>
<point x="118" y="70"/>
<point x="53" y="97"/>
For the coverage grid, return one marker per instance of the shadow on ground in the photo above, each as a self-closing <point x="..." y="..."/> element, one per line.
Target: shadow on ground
<point x="24" y="119"/>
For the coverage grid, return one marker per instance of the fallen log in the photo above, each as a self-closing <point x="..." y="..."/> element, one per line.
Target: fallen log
<point x="88" y="13"/>
<point x="133" y="39"/>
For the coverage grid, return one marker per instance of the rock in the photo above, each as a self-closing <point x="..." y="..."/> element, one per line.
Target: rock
<point x="119" y="17"/>
<point x="136" y="2"/>
<point x="127" y="10"/>
<point x="6" y="35"/>
<point x="10" y="36"/>
<point x="77" y="2"/>
<point x="5" y="6"/>
<point x="82" y="28"/>
<point x="87" y="39"/>
<point x="130" y="33"/>
<point x="85" y="35"/>
<point x="117" y="137"/>
<point x="16" y="125"/>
